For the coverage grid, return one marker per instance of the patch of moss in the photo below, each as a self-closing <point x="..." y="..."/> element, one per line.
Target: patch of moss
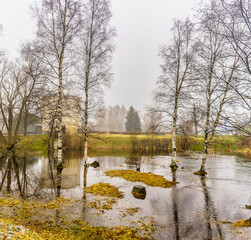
<point x="131" y="211"/>
<point x="147" y="178"/>
<point x="200" y="173"/>
<point x="243" y="223"/>
<point x="103" y="204"/>
<point x="104" y="189"/>
<point x="42" y="226"/>
<point x="238" y="231"/>
<point x="146" y="224"/>
<point x="225" y="222"/>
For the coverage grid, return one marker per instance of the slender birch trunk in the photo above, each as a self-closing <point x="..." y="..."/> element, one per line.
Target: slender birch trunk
<point x="87" y="75"/>
<point x="86" y="120"/>
<point x="60" y="135"/>
<point x="60" y="94"/>
<point x="174" y="130"/>
<point x="60" y="120"/>
<point x="86" y="131"/>
<point x="60" y="165"/>
<point x="207" y="139"/>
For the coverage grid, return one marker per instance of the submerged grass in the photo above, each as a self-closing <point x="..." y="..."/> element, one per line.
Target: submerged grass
<point x="131" y="211"/>
<point x="103" y="204"/>
<point x="147" y="178"/>
<point x="104" y="189"/>
<point x="243" y="223"/>
<point x="44" y="222"/>
<point x="111" y="194"/>
<point x="225" y="222"/>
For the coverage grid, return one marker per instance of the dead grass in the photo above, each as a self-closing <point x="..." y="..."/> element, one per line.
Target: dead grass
<point x="104" y="189"/>
<point x="147" y="178"/>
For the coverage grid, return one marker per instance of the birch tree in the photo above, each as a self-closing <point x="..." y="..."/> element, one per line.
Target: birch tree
<point x="174" y="83"/>
<point x="96" y="52"/>
<point x="216" y="69"/>
<point x="235" y="20"/>
<point x="58" y="24"/>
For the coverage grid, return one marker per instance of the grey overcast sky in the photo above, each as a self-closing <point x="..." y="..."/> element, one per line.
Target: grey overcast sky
<point x="142" y="26"/>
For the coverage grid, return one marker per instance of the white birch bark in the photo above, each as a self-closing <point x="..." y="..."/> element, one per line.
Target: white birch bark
<point x="208" y="139"/>
<point x="174" y="130"/>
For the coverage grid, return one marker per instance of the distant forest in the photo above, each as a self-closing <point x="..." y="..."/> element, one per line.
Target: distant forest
<point x="114" y="118"/>
<point x="111" y="118"/>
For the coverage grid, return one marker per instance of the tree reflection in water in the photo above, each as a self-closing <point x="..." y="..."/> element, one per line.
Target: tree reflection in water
<point x="85" y="167"/>
<point x="175" y="200"/>
<point x="192" y="212"/>
<point x="14" y="175"/>
<point x="210" y="215"/>
<point x="210" y="212"/>
<point x="135" y="158"/>
<point x="21" y="177"/>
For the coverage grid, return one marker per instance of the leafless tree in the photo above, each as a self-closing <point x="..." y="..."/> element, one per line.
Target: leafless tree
<point x="58" y="23"/>
<point x="36" y="71"/>
<point x="152" y="121"/>
<point x="16" y="88"/>
<point x="96" y="52"/>
<point x="185" y="125"/>
<point x="217" y="71"/>
<point x="175" y="82"/>
<point x="234" y="16"/>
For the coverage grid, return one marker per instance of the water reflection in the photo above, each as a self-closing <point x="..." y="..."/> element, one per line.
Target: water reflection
<point x="85" y="178"/>
<point x="210" y="212"/>
<point x="135" y="159"/>
<point x="17" y="176"/>
<point x="191" y="209"/>
<point x="175" y="201"/>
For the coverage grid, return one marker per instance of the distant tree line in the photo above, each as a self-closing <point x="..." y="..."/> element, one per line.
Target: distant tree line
<point x="111" y="118"/>
<point x="117" y="119"/>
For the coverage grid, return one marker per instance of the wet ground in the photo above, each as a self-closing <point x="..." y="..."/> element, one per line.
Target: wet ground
<point x="192" y="209"/>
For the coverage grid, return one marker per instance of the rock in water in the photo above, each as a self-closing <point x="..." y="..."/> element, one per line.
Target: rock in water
<point x="139" y="192"/>
<point x="95" y="164"/>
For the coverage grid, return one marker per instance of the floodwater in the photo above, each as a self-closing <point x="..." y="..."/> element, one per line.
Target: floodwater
<point x="192" y="209"/>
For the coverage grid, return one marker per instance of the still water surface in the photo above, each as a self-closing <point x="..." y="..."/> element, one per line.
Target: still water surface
<point x="191" y="209"/>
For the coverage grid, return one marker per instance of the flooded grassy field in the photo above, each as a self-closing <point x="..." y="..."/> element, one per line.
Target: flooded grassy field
<point x="194" y="208"/>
